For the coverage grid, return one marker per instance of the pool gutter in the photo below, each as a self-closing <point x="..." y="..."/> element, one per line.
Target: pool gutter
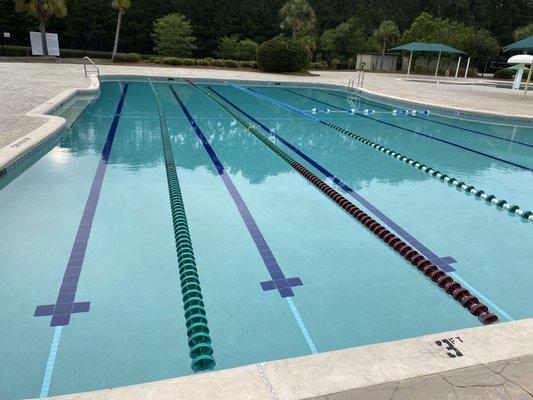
<point x="340" y="371"/>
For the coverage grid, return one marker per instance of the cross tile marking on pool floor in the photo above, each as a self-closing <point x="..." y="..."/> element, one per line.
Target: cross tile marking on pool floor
<point x="278" y="280"/>
<point x="65" y="305"/>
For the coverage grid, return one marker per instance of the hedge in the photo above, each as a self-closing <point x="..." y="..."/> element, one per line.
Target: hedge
<point x="282" y="55"/>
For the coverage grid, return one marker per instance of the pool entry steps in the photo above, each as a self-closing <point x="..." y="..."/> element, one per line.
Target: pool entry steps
<point x="469" y="189"/>
<point x="199" y="340"/>
<point x="428" y="268"/>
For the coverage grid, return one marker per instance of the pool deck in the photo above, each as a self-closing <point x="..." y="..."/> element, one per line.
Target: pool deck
<point x="496" y="361"/>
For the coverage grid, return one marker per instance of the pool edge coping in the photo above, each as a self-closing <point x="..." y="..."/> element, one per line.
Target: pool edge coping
<point x="14" y="152"/>
<point x="337" y="371"/>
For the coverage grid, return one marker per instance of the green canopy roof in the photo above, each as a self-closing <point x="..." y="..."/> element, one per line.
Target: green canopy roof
<point x="524" y="44"/>
<point x="430" y="47"/>
<point x="517" y="67"/>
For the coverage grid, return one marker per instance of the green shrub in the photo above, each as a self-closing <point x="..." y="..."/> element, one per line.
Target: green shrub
<point x="246" y="50"/>
<point x="282" y="55"/>
<point x="173" y="36"/>
<point x="319" y="65"/>
<point x="127" y="57"/>
<point x="209" y="60"/>
<point x="231" y="64"/>
<point x="202" y="61"/>
<point x="187" y="61"/>
<point x="505" y="74"/>
<point x="254" y="64"/>
<point x="219" y="63"/>
<point x="245" y="64"/>
<point x="172" y="61"/>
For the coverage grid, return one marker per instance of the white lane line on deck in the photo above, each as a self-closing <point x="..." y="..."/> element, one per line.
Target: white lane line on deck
<point x="480" y="295"/>
<point x="51" y="362"/>
<point x="301" y="324"/>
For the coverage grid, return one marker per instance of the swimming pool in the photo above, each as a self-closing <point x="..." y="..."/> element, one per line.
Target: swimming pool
<point x="286" y="267"/>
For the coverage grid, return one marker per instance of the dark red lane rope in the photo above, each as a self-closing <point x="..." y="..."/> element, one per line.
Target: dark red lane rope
<point x="441" y="278"/>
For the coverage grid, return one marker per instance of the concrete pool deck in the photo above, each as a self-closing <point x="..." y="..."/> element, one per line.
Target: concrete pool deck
<point x="496" y="361"/>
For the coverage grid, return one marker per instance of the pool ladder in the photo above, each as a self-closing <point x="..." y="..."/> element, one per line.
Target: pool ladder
<point x="355" y="81"/>
<point x="87" y="59"/>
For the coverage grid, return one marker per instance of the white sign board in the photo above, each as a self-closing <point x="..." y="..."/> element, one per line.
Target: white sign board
<point x="37" y="46"/>
<point x="7" y="34"/>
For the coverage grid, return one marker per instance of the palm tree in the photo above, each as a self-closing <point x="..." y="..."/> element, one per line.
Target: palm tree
<point x="523" y="32"/>
<point x="387" y="34"/>
<point x="43" y="10"/>
<point x="297" y="15"/>
<point x="121" y="6"/>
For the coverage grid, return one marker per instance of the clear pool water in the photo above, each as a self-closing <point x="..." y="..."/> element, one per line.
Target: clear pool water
<point x="355" y="290"/>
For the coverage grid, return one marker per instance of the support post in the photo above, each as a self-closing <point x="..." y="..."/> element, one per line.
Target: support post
<point x="438" y="63"/>
<point x="458" y="65"/>
<point x="467" y="65"/>
<point x="409" y="67"/>
<point x="528" y="79"/>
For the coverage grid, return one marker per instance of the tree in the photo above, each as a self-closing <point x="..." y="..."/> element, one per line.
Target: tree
<point x="172" y="36"/>
<point x="121" y="6"/>
<point x="298" y="16"/>
<point x="43" y="10"/>
<point x="523" y="32"/>
<point x="387" y="34"/>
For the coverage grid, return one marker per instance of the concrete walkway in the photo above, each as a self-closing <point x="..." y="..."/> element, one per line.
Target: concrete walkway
<point x="26" y="85"/>
<point x="508" y="379"/>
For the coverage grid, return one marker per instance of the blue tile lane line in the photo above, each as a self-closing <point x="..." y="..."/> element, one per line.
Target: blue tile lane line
<point x="65" y="305"/>
<point x="432" y="120"/>
<point x="415" y="132"/>
<point x="443" y="263"/>
<point x="278" y="280"/>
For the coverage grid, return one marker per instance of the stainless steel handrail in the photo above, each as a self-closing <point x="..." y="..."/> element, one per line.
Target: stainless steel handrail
<point x="85" y="59"/>
<point x="356" y="80"/>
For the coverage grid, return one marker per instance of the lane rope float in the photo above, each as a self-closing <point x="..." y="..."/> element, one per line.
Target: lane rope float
<point x="451" y="181"/>
<point x="430" y="270"/>
<point x="199" y="340"/>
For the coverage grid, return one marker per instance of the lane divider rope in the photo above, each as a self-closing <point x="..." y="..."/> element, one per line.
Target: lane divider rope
<point x="442" y="262"/>
<point x="430" y="270"/>
<point x="199" y="340"/>
<point x="451" y="181"/>
<point x="278" y="280"/>
<point x="389" y="108"/>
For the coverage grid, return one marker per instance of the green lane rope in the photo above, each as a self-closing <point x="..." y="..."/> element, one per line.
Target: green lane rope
<point x="200" y="349"/>
<point x="443" y="280"/>
<point x="489" y="198"/>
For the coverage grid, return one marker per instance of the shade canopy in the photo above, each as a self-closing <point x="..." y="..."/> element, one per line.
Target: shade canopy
<point x="518" y="67"/>
<point x="524" y="44"/>
<point x="429" y="47"/>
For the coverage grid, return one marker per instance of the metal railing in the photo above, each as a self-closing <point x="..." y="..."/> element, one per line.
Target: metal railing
<point x="355" y="81"/>
<point x="85" y="59"/>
